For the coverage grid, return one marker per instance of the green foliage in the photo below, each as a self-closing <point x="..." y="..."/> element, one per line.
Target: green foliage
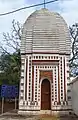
<point x="10" y="62"/>
<point x="10" y="68"/>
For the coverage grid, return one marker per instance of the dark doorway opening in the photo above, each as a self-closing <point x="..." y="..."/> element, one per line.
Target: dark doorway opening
<point x="45" y="95"/>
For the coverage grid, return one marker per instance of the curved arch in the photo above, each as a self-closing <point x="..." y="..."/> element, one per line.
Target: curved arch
<point x="43" y="79"/>
<point x="45" y="94"/>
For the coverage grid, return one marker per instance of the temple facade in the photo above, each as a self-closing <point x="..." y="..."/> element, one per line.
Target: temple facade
<point x="45" y="52"/>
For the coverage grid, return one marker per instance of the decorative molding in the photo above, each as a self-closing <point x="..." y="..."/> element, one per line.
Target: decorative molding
<point x="56" y="73"/>
<point x="44" y="53"/>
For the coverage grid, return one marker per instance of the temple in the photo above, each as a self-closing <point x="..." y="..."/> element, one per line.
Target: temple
<point x="45" y="52"/>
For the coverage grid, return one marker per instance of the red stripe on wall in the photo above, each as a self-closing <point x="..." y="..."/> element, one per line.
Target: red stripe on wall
<point x="45" y="53"/>
<point x="32" y="83"/>
<point x="64" y="81"/>
<point x="45" y="61"/>
<point x="58" y="85"/>
<point x="26" y="79"/>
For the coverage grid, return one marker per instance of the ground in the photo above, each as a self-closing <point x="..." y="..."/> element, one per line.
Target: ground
<point x="14" y="116"/>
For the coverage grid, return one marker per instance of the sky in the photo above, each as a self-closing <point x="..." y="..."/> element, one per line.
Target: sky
<point x="67" y="8"/>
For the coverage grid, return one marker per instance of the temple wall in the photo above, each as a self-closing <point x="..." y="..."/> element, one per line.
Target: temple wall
<point x="35" y="68"/>
<point x="73" y="94"/>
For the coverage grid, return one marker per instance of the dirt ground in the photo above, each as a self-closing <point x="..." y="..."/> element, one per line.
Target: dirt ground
<point x="9" y="106"/>
<point x="63" y="117"/>
<point x="40" y="117"/>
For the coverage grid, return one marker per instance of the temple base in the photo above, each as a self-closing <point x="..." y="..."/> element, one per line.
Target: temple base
<point x="63" y="111"/>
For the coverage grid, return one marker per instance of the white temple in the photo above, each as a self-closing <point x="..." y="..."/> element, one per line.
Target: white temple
<point x="45" y="52"/>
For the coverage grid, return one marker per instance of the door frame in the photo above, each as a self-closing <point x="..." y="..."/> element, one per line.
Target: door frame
<point x="40" y="91"/>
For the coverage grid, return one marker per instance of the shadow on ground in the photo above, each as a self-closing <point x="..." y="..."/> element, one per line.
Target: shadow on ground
<point x="8" y="106"/>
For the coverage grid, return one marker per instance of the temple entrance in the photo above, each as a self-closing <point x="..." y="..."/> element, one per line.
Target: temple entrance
<point x="45" y="95"/>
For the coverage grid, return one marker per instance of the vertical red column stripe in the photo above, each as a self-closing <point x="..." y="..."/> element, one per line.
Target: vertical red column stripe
<point x="32" y="83"/>
<point x="64" y="81"/>
<point x="58" y="85"/>
<point x="26" y="79"/>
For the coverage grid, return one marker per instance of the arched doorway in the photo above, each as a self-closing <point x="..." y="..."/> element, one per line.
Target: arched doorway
<point x="45" y="95"/>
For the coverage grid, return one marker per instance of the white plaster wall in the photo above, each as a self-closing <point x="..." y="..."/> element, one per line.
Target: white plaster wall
<point x="74" y="90"/>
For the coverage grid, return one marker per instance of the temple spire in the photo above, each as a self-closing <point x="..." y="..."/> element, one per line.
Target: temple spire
<point x="44" y="3"/>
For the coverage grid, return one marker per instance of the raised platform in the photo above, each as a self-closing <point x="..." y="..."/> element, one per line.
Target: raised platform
<point x="50" y="112"/>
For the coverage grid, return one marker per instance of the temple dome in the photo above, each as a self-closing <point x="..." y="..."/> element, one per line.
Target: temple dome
<point x="45" y="31"/>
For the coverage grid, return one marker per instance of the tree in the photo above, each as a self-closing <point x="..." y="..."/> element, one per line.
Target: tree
<point x="11" y="41"/>
<point x="10" y="61"/>
<point x="74" y="49"/>
<point x="10" y="68"/>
